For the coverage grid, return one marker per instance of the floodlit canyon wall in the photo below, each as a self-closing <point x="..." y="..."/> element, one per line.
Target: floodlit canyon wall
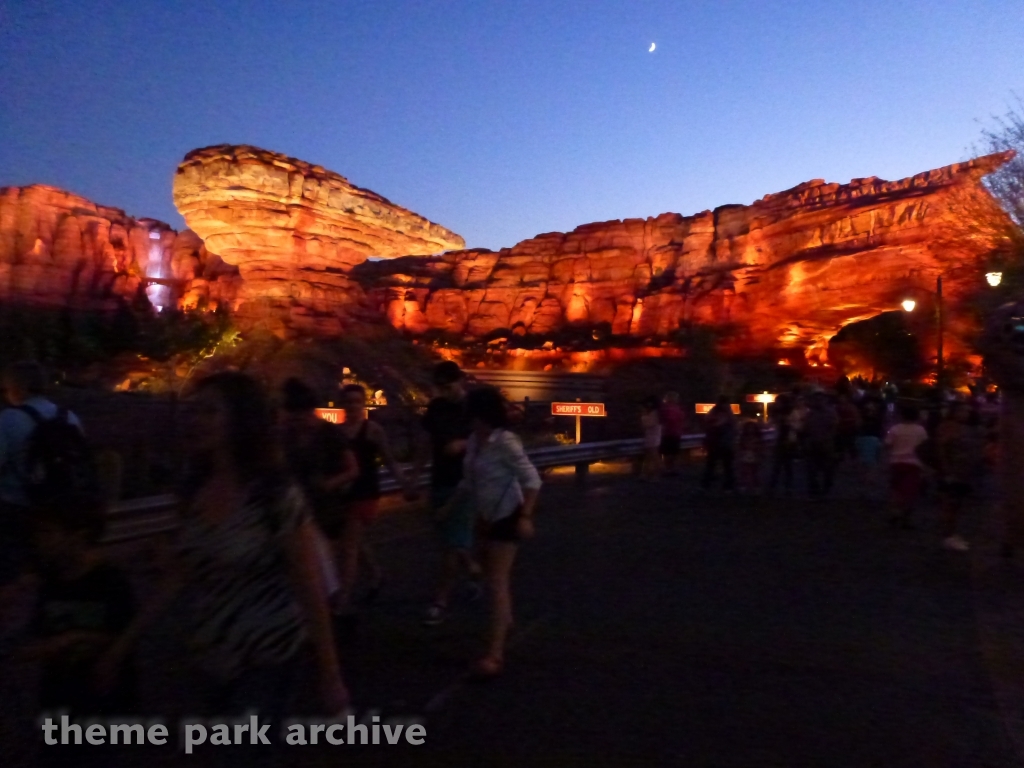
<point x="296" y="249"/>
<point x="789" y="270"/>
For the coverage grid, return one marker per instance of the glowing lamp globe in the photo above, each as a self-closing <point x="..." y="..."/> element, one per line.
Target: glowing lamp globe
<point x="994" y="278"/>
<point x="908" y="305"/>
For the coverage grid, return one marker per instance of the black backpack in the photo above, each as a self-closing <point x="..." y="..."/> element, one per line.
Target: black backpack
<point x="58" y="460"/>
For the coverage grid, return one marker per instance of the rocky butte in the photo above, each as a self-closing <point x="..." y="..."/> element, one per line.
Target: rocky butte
<point x="295" y="231"/>
<point x="786" y="272"/>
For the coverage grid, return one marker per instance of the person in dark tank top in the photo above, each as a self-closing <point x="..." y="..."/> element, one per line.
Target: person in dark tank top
<point x="369" y="443"/>
<point x="442" y="439"/>
<point x="318" y="456"/>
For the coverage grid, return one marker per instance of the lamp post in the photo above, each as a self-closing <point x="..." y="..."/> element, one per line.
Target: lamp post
<point x="764" y="399"/>
<point x="992" y="278"/>
<point x="909" y="305"/>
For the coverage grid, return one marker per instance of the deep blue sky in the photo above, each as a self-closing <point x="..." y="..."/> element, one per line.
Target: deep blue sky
<point x="502" y="120"/>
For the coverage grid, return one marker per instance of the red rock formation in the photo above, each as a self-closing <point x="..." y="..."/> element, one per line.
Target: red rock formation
<point x="285" y="243"/>
<point x="204" y="279"/>
<point x="59" y="249"/>
<point x="294" y="230"/>
<point x="789" y="270"/>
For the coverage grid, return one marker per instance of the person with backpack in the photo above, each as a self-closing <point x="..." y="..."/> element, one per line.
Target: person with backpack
<point x="43" y="453"/>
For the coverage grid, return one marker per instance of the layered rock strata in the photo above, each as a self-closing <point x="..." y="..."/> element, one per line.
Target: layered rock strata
<point x="788" y="271"/>
<point x="295" y="231"/>
<point x="58" y="249"/>
<point x="286" y="245"/>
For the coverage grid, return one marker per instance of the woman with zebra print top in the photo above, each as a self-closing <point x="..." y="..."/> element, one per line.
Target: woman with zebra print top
<point x="247" y="552"/>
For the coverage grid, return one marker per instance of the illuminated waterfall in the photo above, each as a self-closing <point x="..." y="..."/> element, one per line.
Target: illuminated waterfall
<point x="159" y="295"/>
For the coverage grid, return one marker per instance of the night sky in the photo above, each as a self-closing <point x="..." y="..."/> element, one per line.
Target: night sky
<point x="501" y="120"/>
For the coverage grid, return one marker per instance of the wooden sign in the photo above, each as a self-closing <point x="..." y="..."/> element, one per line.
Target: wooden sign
<point x="333" y="415"/>
<point x="578" y="409"/>
<point x="706" y="408"/>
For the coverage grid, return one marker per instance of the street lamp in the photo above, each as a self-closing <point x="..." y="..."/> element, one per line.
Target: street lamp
<point x="993" y="279"/>
<point x="908" y="306"/>
<point x="764" y="399"/>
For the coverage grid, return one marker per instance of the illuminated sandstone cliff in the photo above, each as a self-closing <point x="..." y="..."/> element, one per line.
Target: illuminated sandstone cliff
<point x="285" y="244"/>
<point x="294" y="230"/>
<point x="789" y="270"/>
<point x="58" y="249"/>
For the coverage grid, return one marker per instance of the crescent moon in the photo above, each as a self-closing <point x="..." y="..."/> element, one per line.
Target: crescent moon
<point x="651" y="49"/>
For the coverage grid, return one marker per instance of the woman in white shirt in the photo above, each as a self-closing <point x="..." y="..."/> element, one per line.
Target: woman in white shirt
<point x="650" y="420"/>
<point x="502" y="486"/>
<point x="905" y="468"/>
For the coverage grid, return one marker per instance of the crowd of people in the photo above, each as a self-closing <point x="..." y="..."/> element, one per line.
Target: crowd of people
<point x="274" y="506"/>
<point x="275" y="503"/>
<point x="944" y="445"/>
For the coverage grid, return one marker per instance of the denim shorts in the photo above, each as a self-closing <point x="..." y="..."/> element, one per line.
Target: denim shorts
<point x="456" y="528"/>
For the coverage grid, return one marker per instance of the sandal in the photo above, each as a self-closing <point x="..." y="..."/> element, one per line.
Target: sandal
<point x="487" y="668"/>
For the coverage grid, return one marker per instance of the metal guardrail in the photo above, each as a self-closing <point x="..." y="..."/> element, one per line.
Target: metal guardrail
<point x="154" y="515"/>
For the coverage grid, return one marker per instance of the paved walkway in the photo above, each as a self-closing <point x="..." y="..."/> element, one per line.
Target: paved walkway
<point x="661" y="627"/>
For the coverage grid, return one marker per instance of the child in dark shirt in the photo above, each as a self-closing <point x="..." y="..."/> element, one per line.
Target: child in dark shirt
<point x="84" y="603"/>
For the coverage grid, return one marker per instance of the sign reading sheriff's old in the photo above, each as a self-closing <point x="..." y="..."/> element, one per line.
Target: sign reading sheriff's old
<point x="578" y="409"/>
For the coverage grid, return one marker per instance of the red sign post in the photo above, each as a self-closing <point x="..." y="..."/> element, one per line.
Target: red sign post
<point x="578" y="410"/>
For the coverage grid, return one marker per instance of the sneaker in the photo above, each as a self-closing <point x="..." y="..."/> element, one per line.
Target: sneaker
<point x="436" y="614"/>
<point x="955" y="543"/>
